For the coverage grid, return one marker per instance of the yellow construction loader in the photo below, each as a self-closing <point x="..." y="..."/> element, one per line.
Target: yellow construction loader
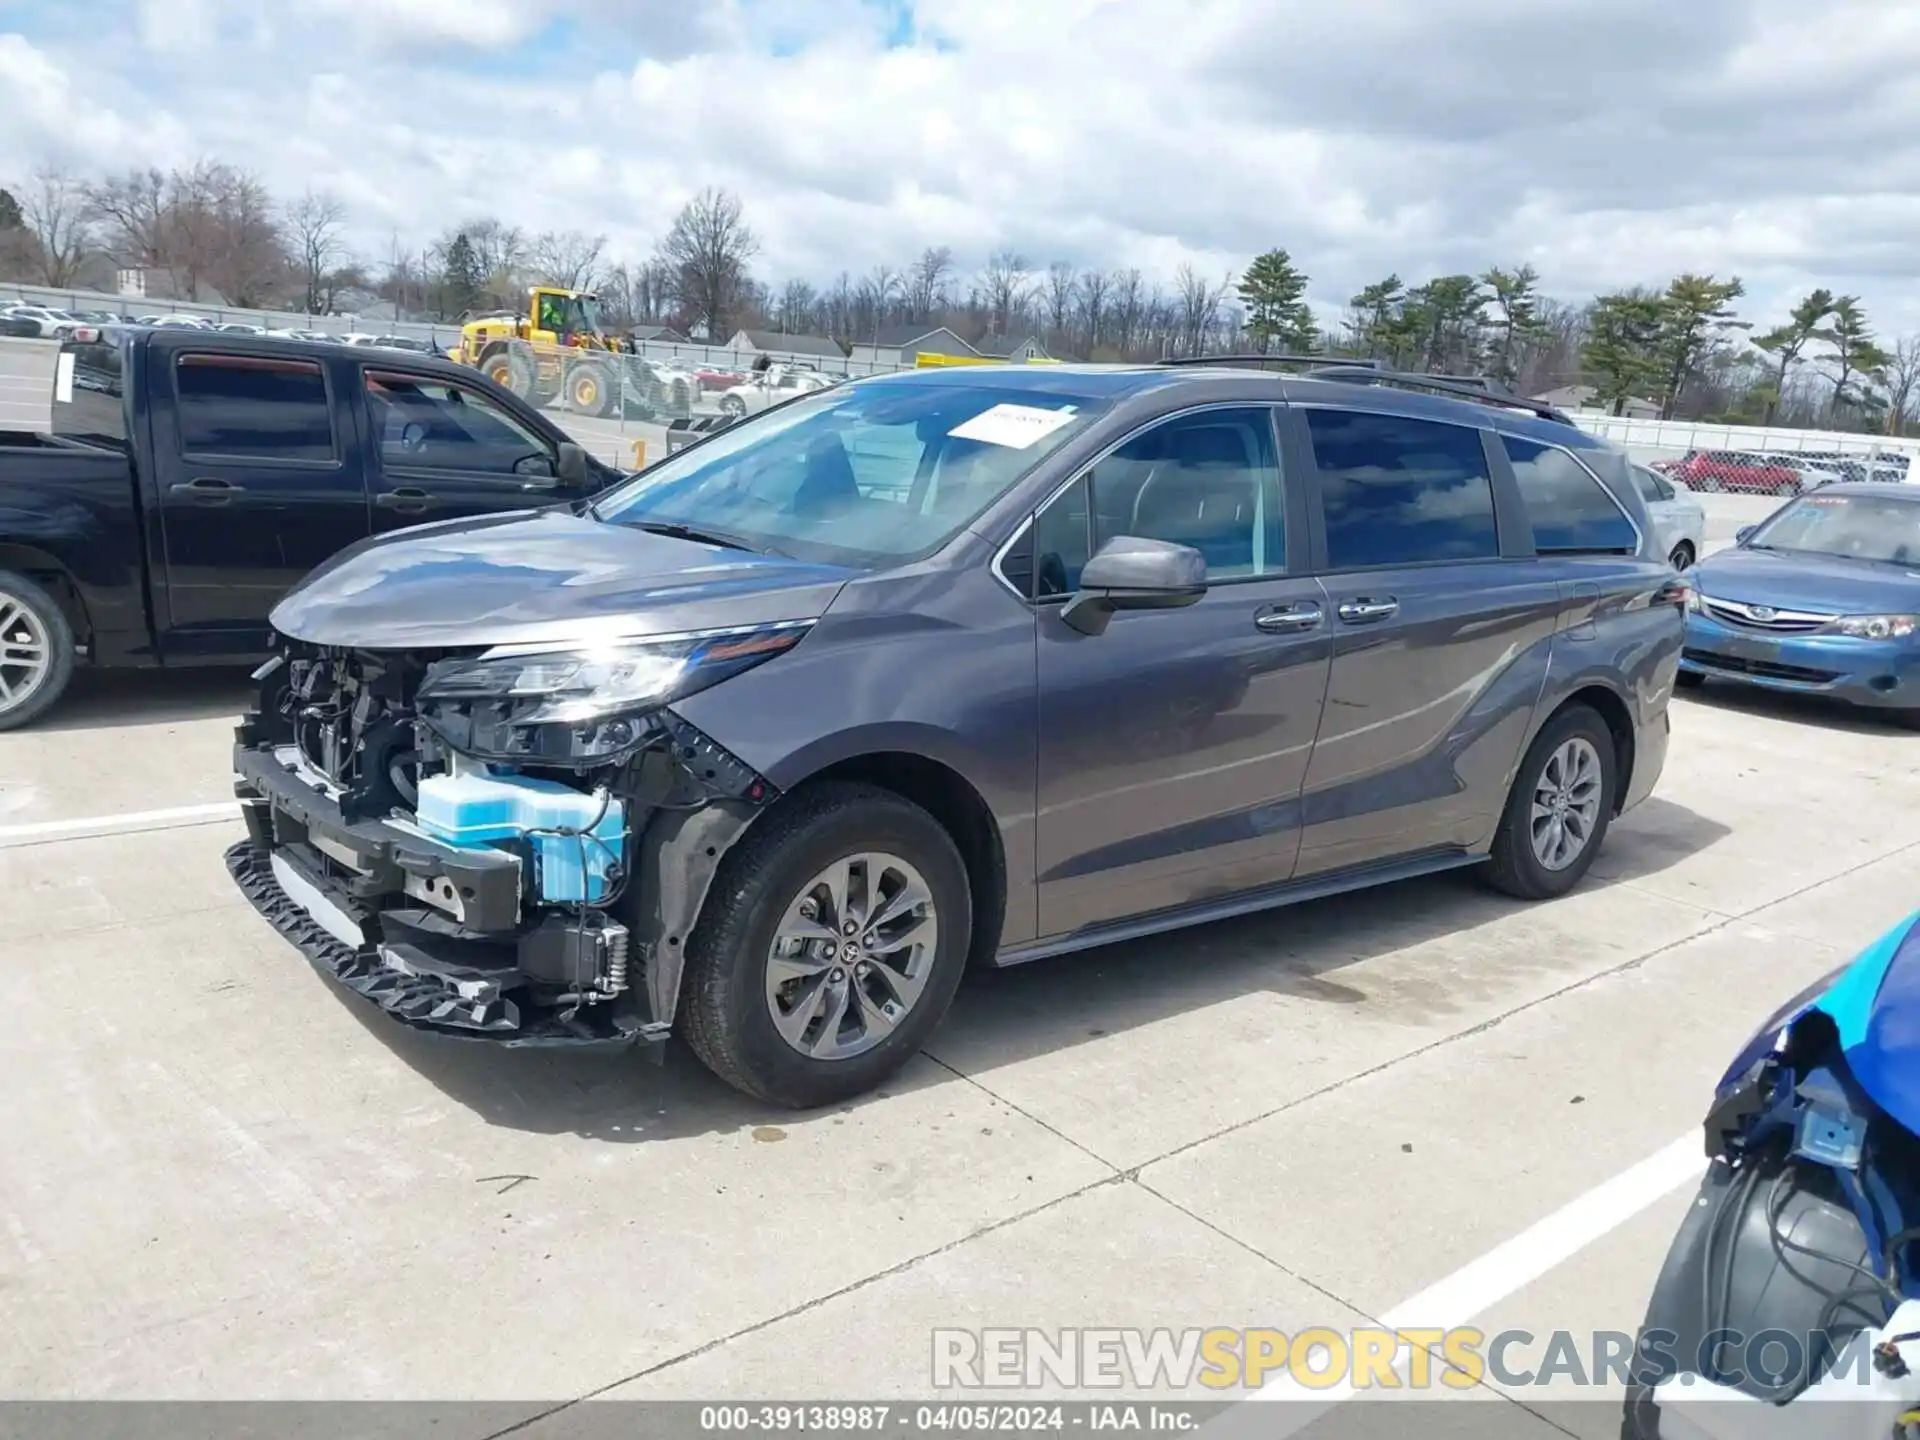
<point x="556" y="351"/>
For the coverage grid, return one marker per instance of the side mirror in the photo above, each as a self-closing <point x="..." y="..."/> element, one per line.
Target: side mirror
<point x="570" y="464"/>
<point x="1741" y="535"/>
<point x="1130" y="573"/>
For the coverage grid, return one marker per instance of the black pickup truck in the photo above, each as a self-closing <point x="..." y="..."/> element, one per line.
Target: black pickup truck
<point x="191" y="479"/>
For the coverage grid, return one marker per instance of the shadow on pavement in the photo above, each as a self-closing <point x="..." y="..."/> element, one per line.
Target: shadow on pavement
<point x="104" y="699"/>
<point x="1051" y="1005"/>
<point x="1735" y="698"/>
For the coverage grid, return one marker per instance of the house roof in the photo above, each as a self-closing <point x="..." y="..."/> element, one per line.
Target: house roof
<point x="1000" y="347"/>
<point x="657" y="332"/>
<point x="900" y="336"/>
<point x="794" y="344"/>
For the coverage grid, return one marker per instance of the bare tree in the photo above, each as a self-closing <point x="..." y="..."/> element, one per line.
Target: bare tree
<point x="1060" y="293"/>
<point x="1198" y="300"/>
<point x="1094" y="288"/>
<point x="1005" y="285"/>
<point x="314" y="224"/>
<point x="793" y="311"/>
<point x="1129" y="308"/>
<point x="569" y="258"/>
<point x="707" y="251"/>
<point x="927" y="283"/>
<point x="1901" y="375"/>
<point x="133" y="207"/>
<point x="57" y="217"/>
<point x="875" y="294"/>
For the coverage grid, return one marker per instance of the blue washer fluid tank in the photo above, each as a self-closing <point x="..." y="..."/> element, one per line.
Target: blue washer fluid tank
<point x="478" y="808"/>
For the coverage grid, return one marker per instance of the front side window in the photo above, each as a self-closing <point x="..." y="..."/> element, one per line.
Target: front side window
<point x="1877" y="528"/>
<point x="1571" y="511"/>
<point x="1210" y="481"/>
<point x="253" y="406"/>
<point x="1399" y="491"/>
<point x="870" y="473"/>
<point x="428" y="424"/>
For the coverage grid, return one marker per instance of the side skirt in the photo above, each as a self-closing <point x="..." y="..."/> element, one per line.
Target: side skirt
<point x="1249" y="902"/>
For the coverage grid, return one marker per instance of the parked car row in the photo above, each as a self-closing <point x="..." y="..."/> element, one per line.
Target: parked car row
<point x="1780" y="473"/>
<point x="45" y="322"/>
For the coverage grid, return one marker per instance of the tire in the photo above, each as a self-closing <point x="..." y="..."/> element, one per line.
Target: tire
<point x="1515" y="866"/>
<point x="591" y="391"/>
<point x="1640" y="1419"/>
<point x="732" y="406"/>
<point x="510" y="370"/>
<point x="1682" y="557"/>
<point x="36" y="651"/>
<point x="727" y="1007"/>
<point x="1688" y="679"/>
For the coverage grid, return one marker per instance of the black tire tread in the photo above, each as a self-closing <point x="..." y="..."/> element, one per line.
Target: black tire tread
<point x="708" y="980"/>
<point x="59" y="638"/>
<point x="1511" y="868"/>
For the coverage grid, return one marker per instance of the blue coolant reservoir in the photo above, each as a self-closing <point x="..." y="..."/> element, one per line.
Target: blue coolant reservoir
<point x="476" y="808"/>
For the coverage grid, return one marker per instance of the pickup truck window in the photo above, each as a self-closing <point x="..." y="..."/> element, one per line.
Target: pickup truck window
<point x="424" y="423"/>
<point x="256" y="406"/>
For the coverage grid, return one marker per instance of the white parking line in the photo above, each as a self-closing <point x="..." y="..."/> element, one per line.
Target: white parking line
<point x="39" y="831"/>
<point x="1503" y="1271"/>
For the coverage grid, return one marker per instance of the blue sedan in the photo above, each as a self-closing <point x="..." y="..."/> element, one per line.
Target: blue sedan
<point x="1822" y="598"/>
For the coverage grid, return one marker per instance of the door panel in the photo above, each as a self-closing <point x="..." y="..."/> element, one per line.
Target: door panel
<point x="1173" y="746"/>
<point x="256" y="488"/>
<point x="1426" y="708"/>
<point x="1440" y="643"/>
<point x="444" y="450"/>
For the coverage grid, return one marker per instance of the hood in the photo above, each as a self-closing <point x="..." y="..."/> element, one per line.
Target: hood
<point x="534" y="577"/>
<point x="1809" y="582"/>
<point x="1875" y="1006"/>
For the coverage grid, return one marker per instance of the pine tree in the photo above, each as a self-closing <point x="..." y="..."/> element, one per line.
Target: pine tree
<point x="1786" y="342"/>
<point x="1274" y="292"/>
<point x="1622" y="353"/>
<point x="1695" y="313"/>
<point x="462" y="277"/>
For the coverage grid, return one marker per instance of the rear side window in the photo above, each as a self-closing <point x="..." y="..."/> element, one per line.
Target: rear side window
<point x="1398" y="491"/>
<point x="257" y="406"/>
<point x="1570" y="509"/>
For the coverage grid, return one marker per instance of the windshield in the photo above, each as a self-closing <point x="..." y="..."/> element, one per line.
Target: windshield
<point x="871" y="473"/>
<point x="1856" y="527"/>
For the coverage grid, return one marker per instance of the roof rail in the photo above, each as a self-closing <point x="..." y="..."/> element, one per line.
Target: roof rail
<point x="1464" y="387"/>
<point x="1253" y="358"/>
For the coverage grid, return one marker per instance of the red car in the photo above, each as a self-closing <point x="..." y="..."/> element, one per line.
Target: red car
<point x="712" y="379"/>
<point x="1737" y="472"/>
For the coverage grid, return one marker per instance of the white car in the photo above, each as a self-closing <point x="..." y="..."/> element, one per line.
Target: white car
<point x="777" y="383"/>
<point x="54" y="324"/>
<point x="1679" y="519"/>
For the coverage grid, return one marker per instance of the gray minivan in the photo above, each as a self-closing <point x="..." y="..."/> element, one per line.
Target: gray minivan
<point x="961" y="665"/>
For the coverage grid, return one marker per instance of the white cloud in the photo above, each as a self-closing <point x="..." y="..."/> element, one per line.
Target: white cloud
<point x="1607" y="145"/>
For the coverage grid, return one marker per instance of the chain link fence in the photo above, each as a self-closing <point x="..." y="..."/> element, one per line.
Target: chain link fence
<point x="1751" y="460"/>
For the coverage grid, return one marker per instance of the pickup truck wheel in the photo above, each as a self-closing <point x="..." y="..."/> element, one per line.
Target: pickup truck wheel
<point x="36" y="650"/>
<point x="832" y="942"/>
<point x="1558" y="810"/>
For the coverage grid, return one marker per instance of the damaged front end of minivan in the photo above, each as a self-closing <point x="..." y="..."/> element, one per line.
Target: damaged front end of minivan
<point x="510" y="843"/>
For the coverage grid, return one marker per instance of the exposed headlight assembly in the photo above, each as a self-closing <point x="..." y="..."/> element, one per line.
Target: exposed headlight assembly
<point x="1875" y="627"/>
<point x="587" y="704"/>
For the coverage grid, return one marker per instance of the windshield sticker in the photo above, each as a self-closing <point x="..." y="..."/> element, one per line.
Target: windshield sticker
<point x="1826" y="500"/>
<point x="1014" y="426"/>
<point x="63" y="378"/>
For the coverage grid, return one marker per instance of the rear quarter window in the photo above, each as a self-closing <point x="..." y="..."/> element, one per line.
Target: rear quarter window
<point x="1570" y="510"/>
<point x="1399" y="491"/>
<point x="260" y="407"/>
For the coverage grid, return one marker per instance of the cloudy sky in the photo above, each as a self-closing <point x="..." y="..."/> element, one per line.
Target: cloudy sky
<point x="1608" y="142"/>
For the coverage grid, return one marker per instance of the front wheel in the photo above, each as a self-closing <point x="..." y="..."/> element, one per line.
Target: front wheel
<point x="36" y="650"/>
<point x="834" y="937"/>
<point x="1558" y="810"/>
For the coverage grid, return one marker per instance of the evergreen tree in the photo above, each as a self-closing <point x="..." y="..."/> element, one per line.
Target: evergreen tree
<point x="1695" y="313"/>
<point x="1274" y="291"/>
<point x="1786" y="343"/>
<point x="1622" y="353"/>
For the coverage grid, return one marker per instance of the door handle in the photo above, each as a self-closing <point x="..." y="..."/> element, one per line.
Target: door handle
<point x="405" y="498"/>
<point x="206" y="490"/>
<point x="1365" y="611"/>
<point x="1289" y="619"/>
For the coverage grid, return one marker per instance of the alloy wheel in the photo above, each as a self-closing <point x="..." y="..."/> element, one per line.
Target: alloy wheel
<point x="1566" y="804"/>
<point x="26" y="652"/>
<point x="851" y="956"/>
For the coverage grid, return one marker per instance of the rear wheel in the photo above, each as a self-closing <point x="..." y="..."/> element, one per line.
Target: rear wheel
<point x="732" y="406"/>
<point x="831" y="946"/>
<point x="591" y="391"/>
<point x="36" y="650"/>
<point x="1558" y="810"/>
<point x="1682" y="556"/>
<point x="509" y="371"/>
